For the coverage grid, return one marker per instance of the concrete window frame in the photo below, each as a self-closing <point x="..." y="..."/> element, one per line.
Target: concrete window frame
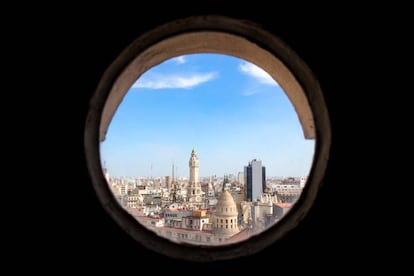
<point x="221" y="35"/>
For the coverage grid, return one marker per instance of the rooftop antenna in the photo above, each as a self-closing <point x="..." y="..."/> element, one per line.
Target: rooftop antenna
<point x="172" y="186"/>
<point x="151" y="171"/>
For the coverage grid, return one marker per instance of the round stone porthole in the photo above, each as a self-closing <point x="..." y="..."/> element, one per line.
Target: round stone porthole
<point x="221" y="35"/>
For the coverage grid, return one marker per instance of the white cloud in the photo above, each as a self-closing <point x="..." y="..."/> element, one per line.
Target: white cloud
<point x="180" y="60"/>
<point x="250" y="92"/>
<point x="258" y="73"/>
<point x="159" y="81"/>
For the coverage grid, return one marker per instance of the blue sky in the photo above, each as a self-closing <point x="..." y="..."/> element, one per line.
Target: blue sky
<point x="229" y="110"/>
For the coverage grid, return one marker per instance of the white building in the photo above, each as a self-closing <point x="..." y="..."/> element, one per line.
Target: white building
<point x="303" y="181"/>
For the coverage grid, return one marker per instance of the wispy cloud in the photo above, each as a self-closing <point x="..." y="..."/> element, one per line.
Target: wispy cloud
<point x="180" y="60"/>
<point x="249" y="92"/>
<point x="161" y="81"/>
<point x="258" y="73"/>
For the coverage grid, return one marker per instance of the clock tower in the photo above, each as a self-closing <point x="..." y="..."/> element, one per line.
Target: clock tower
<point x="194" y="194"/>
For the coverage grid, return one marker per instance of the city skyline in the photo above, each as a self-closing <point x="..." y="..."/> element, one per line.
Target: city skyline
<point x="229" y="110"/>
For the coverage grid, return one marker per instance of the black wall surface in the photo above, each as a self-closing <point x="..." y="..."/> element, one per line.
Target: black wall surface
<point x="80" y="236"/>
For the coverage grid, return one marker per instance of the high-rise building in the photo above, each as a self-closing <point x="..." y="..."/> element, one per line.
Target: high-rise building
<point x="194" y="194"/>
<point x="255" y="180"/>
<point x="168" y="181"/>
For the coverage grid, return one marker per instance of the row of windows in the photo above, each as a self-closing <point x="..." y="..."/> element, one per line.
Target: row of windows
<point x="227" y="221"/>
<point x="171" y="215"/>
<point x="185" y="236"/>
<point x="227" y="209"/>
<point x="191" y="221"/>
<point x="231" y="226"/>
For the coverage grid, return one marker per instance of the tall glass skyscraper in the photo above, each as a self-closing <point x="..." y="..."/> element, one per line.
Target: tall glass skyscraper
<point x="255" y="180"/>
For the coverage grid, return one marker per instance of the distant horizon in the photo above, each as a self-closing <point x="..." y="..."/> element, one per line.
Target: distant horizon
<point x="229" y="110"/>
<point x="200" y="176"/>
<point x="208" y="176"/>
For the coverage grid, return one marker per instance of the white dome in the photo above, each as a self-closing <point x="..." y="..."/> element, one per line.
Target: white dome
<point x="226" y="205"/>
<point x="225" y="216"/>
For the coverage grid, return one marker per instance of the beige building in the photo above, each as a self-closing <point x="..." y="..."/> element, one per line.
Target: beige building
<point x="224" y="219"/>
<point x="196" y="221"/>
<point x="200" y="227"/>
<point x="194" y="194"/>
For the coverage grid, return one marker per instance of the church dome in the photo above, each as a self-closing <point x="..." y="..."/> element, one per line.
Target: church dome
<point x="226" y="205"/>
<point x="225" y="216"/>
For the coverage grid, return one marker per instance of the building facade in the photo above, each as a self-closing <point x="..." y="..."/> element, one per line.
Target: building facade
<point x="255" y="180"/>
<point x="194" y="194"/>
<point x="224" y="220"/>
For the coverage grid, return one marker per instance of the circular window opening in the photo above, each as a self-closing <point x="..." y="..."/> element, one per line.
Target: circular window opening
<point x="255" y="46"/>
<point x="198" y="125"/>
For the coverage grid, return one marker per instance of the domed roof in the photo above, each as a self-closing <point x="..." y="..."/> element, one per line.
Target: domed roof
<point x="226" y="205"/>
<point x="225" y="216"/>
